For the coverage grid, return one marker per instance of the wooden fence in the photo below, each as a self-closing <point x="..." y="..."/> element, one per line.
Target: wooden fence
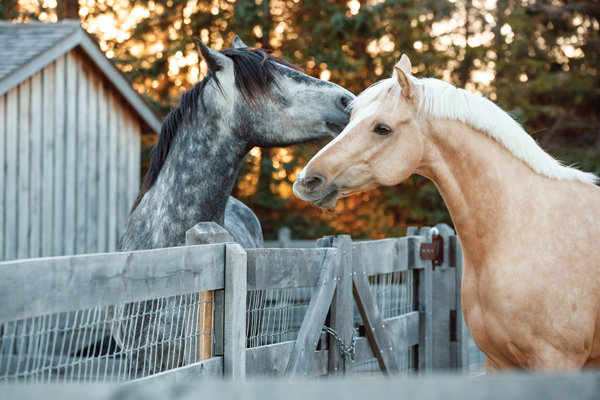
<point x="377" y="307"/>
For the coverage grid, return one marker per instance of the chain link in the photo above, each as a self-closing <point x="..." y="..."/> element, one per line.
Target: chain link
<point x="348" y="352"/>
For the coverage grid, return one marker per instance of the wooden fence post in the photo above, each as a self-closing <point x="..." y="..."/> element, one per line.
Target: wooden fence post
<point x="341" y="317"/>
<point x="284" y="236"/>
<point x="204" y="233"/>
<point x="234" y="346"/>
<point x="462" y="332"/>
<point x="443" y="279"/>
<point x="424" y="295"/>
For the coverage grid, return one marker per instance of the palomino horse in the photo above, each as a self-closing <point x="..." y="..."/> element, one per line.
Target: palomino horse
<point x="531" y="296"/>
<point x="249" y="98"/>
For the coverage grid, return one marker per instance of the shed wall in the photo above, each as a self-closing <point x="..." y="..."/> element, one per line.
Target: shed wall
<point x="69" y="162"/>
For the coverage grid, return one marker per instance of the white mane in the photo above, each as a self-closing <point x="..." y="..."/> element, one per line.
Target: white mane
<point x="442" y="100"/>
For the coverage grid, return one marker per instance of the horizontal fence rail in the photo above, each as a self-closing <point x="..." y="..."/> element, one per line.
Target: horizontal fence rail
<point x="210" y="310"/>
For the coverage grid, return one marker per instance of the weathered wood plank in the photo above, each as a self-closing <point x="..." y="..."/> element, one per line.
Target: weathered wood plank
<point x="424" y="287"/>
<point x="312" y="324"/>
<point x="412" y="231"/>
<point x="12" y="150"/>
<point x="70" y="208"/>
<point x="85" y="281"/>
<point x="93" y="190"/>
<point x="24" y="169"/>
<point x="284" y="268"/>
<point x="234" y="357"/>
<point x="2" y="170"/>
<point x="122" y="173"/>
<point x="113" y="110"/>
<point x="83" y="113"/>
<point x="207" y="232"/>
<point x="377" y="256"/>
<point x="583" y="386"/>
<point x="441" y="280"/>
<point x="403" y="331"/>
<point x="59" y="156"/>
<point x="103" y="163"/>
<point x="219" y="322"/>
<point x="270" y="361"/>
<point x="35" y="193"/>
<point x="207" y="370"/>
<point x="462" y="332"/>
<point x="48" y="110"/>
<point x="374" y="327"/>
<point x="135" y="154"/>
<point x="341" y="314"/>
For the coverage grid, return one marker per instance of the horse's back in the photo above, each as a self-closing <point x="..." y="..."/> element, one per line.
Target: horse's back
<point x="243" y="224"/>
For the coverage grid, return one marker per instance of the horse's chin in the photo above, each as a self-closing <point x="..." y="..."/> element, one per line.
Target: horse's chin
<point x="327" y="202"/>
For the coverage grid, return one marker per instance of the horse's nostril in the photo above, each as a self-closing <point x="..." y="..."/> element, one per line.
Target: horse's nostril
<point x="314" y="182"/>
<point x="345" y="101"/>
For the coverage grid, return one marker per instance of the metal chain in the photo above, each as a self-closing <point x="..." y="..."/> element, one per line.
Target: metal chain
<point x="348" y="352"/>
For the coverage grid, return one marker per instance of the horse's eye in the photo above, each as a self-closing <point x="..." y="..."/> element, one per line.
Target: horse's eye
<point x="383" y="129"/>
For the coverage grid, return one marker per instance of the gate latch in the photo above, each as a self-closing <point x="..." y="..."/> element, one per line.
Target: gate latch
<point x="434" y="251"/>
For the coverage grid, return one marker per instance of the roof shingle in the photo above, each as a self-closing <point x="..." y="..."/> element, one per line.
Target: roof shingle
<point x="19" y="43"/>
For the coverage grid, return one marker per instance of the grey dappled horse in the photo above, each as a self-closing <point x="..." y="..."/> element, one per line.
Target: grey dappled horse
<point x="248" y="98"/>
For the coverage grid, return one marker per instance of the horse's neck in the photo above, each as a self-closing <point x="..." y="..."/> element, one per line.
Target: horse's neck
<point x="480" y="181"/>
<point x="193" y="186"/>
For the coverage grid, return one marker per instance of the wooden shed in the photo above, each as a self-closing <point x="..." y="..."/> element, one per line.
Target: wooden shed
<point x="70" y="142"/>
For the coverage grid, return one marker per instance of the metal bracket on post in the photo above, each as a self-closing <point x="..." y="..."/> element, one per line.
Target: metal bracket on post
<point x="434" y="251"/>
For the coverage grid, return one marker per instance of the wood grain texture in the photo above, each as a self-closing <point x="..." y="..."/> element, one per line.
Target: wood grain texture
<point x="35" y="177"/>
<point x="234" y="357"/>
<point x="402" y="331"/>
<point x="70" y="148"/>
<point x="48" y="110"/>
<point x="442" y="297"/>
<point x="312" y="324"/>
<point x="341" y="313"/>
<point x="374" y="327"/>
<point x="207" y="370"/>
<point x="83" y="113"/>
<point x="2" y="171"/>
<point x="59" y="156"/>
<point x="424" y="288"/>
<point x="122" y="205"/>
<point x="103" y="165"/>
<point x="135" y="155"/>
<point x="24" y="132"/>
<point x="11" y="180"/>
<point x="270" y="361"/>
<point x="112" y="172"/>
<point x="284" y="268"/>
<point x="584" y="386"/>
<point x="78" y="282"/>
<point x="91" y="234"/>
<point x="463" y="336"/>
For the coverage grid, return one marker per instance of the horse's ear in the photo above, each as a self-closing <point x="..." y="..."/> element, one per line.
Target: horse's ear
<point x="403" y="73"/>
<point x="238" y="44"/>
<point x="214" y="60"/>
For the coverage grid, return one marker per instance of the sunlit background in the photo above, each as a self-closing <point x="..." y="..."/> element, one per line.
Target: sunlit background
<point x="537" y="59"/>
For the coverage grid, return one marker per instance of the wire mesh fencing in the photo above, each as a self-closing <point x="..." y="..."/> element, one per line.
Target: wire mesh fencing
<point x="394" y="294"/>
<point x="275" y="315"/>
<point x="107" y="344"/>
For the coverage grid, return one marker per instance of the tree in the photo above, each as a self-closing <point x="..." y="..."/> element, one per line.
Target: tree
<point x="537" y="60"/>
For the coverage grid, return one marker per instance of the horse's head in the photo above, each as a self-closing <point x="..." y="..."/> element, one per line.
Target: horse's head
<point x="269" y="102"/>
<point x="382" y="145"/>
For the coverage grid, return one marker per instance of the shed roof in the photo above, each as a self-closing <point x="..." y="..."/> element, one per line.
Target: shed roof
<point x="27" y="48"/>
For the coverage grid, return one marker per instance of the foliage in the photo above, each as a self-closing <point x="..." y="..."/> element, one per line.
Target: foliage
<point x="537" y="59"/>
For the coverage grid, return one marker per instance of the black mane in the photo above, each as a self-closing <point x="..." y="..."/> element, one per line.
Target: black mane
<point x="255" y="75"/>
